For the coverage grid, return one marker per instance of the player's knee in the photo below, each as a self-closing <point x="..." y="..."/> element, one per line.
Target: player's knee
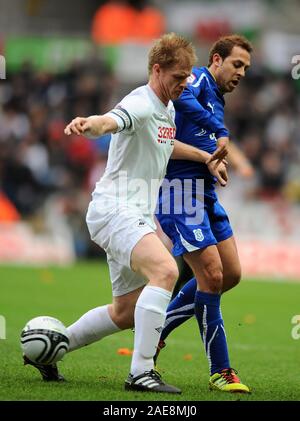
<point x="167" y="275"/>
<point x="232" y="278"/>
<point x="214" y="277"/>
<point x="236" y="277"/>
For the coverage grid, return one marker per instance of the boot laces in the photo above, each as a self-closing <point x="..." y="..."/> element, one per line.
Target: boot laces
<point x="230" y="375"/>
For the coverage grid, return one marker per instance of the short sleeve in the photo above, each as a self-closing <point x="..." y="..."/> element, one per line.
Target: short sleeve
<point x="131" y="113"/>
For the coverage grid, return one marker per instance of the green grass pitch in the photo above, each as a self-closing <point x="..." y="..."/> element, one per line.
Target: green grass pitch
<point x="257" y="318"/>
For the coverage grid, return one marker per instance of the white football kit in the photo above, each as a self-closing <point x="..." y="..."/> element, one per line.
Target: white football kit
<point x="123" y="203"/>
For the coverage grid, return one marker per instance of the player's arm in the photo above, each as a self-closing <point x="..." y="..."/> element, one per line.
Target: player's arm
<point x="189" y="105"/>
<point x="93" y="126"/>
<point x="221" y="152"/>
<point x="130" y="113"/>
<point x="193" y="110"/>
<point x="239" y="161"/>
<point x="190" y="153"/>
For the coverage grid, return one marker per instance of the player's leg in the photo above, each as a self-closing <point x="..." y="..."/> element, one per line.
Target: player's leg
<point x="207" y="266"/>
<point x="222" y="231"/>
<point x="108" y="319"/>
<point x="181" y="308"/>
<point x="142" y="257"/>
<point x="185" y="238"/>
<point x="231" y="263"/>
<point x="95" y="325"/>
<point x="103" y="321"/>
<point x="92" y="326"/>
<point x="152" y="260"/>
<point x="126" y="285"/>
<point x="185" y="274"/>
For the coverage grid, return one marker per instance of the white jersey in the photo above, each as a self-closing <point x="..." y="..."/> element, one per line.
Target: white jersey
<point x="139" y="153"/>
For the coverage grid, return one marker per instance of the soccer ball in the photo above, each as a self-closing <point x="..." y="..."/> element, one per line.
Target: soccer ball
<point x="44" y="340"/>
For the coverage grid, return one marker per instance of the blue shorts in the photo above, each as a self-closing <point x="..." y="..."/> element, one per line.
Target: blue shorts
<point x="186" y="236"/>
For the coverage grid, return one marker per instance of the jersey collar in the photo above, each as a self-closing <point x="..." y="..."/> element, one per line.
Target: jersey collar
<point x="212" y="79"/>
<point x="156" y="98"/>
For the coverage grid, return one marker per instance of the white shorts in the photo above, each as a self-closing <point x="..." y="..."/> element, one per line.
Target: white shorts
<point x="117" y="232"/>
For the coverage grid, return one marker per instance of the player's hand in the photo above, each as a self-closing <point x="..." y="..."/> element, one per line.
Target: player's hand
<point x="77" y="126"/>
<point x="221" y="152"/>
<point x="91" y="127"/>
<point x="219" y="171"/>
<point x="245" y="170"/>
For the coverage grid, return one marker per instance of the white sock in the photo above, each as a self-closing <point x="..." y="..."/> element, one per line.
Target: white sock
<point x="149" y="318"/>
<point x="92" y="326"/>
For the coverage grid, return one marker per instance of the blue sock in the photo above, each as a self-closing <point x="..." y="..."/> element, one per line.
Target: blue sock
<point x="208" y="314"/>
<point x="181" y="308"/>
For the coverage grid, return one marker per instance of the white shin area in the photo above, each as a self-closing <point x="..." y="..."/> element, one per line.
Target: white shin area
<point x="149" y="318"/>
<point x="91" y="327"/>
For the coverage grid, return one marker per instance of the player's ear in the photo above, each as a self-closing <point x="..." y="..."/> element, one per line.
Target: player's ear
<point x="156" y="69"/>
<point x="217" y="59"/>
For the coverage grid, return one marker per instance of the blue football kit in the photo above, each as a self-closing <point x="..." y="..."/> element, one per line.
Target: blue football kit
<point x="190" y="214"/>
<point x="194" y="218"/>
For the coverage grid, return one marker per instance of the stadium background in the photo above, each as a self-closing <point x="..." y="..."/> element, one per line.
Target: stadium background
<point x="79" y="58"/>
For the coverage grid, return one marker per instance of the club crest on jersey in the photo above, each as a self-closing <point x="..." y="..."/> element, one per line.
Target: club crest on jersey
<point x="198" y="234"/>
<point x="160" y="117"/>
<point x="166" y="134"/>
<point x="191" y="79"/>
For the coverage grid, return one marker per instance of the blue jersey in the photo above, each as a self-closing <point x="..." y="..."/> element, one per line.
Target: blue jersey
<point x="199" y="122"/>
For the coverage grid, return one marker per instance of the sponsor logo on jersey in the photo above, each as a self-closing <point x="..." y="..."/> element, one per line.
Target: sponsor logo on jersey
<point x="191" y="79"/>
<point x="166" y="134"/>
<point x="198" y="234"/>
<point x="202" y="77"/>
<point x="141" y="223"/>
<point x="201" y="133"/>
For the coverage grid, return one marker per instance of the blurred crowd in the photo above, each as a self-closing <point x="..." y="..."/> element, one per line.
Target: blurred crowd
<point x="39" y="164"/>
<point x="262" y="115"/>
